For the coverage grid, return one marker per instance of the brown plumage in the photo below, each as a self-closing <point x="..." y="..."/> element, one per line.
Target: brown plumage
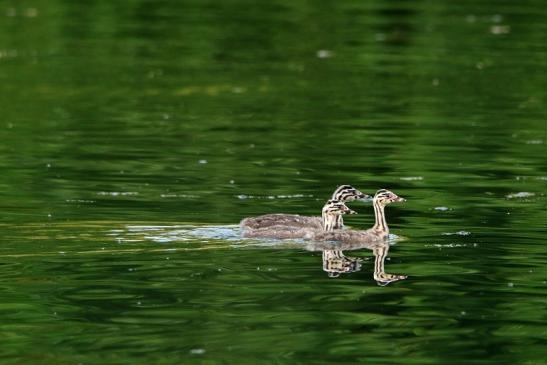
<point x="330" y="213"/>
<point x="269" y="220"/>
<point x="297" y="226"/>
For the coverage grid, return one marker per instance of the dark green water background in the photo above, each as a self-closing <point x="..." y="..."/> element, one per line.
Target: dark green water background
<point x="135" y="134"/>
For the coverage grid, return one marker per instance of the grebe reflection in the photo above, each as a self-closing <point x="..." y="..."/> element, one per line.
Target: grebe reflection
<point x="336" y="263"/>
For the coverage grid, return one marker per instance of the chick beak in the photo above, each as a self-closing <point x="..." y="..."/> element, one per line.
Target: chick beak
<point x="366" y="198"/>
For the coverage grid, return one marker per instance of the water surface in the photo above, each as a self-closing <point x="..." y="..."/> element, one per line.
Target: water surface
<point x="135" y="136"/>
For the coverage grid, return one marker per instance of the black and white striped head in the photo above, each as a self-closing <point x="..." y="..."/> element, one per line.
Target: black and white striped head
<point x="347" y="193"/>
<point x="336" y="207"/>
<point x="384" y="197"/>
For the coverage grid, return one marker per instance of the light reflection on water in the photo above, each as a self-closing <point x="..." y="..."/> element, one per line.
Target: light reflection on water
<point x="140" y="282"/>
<point x="333" y="259"/>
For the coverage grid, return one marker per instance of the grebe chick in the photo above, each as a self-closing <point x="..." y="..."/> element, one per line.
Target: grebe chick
<point x="329" y="215"/>
<point x="380" y="230"/>
<point x="344" y="193"/>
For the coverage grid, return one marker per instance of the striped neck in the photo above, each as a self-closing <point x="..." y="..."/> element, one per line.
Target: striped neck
<point x="380" y="224"/>
<point x="338" y="222"/>
<point x="332" y="221"/>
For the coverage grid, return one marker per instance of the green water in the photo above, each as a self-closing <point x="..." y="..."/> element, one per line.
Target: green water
<point x="135" y="135"/>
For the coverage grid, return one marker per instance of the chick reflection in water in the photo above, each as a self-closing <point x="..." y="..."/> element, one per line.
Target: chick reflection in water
<point x="336" y="263"/>
<point x="375" y="239"/>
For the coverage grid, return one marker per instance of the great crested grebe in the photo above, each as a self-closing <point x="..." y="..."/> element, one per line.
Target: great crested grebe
<point x="260" y="225"/>
<point x="330" y="213"/>
<point x="380" y="230"/>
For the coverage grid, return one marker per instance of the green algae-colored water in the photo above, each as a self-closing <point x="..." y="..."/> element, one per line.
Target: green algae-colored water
<point x="135" y="135"/>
